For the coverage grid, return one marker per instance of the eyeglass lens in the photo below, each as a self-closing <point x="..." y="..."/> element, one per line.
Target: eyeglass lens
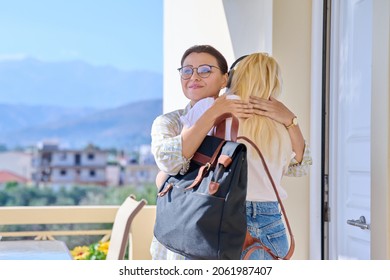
<point x="203" y="71"/>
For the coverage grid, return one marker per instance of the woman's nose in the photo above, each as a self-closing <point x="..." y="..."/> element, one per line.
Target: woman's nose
<point x="195" y="75"/>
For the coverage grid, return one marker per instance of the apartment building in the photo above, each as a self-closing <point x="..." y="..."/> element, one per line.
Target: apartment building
<point x="69" y="166"/>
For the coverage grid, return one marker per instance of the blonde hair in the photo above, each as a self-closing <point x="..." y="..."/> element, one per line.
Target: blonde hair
<point x="259" y="75"/>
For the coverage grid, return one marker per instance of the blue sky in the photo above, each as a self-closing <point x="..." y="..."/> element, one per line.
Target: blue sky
<point x="126" y="34"/>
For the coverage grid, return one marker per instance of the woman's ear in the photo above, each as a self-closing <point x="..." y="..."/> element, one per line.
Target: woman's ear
<point x="224" y="81"/>
<point x="230" y="77"/>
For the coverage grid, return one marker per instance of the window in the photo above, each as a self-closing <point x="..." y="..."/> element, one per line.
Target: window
<point x="91" y="156"/>
<point x="77" y="159"/>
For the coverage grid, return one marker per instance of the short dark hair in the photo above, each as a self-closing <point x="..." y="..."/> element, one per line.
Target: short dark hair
<point x="221" y="60"/>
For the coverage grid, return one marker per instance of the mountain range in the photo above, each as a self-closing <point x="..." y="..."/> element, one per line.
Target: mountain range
<point x="30" y="81"/>
<point x="123" y="127"/>
<point x="76" y="103"/>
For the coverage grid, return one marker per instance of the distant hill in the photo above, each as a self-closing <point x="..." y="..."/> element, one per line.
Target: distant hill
<point x="17" y="117"/>
<point x="125" y="126"/>
<point x="74" y="84"/>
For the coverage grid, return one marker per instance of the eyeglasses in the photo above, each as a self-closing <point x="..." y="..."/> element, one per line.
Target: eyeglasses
<point x="203" y="71"/>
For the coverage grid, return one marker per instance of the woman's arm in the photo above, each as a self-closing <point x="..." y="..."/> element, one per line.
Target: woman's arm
<point x="166" y="143"/>
<point x="297" y="169"/>
<point x="173" y="147"/>
<point x="277" y="111"/>
<point x="193" y="136"/>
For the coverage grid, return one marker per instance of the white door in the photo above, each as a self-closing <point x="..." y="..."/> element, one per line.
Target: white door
<point x="349" y="129"/>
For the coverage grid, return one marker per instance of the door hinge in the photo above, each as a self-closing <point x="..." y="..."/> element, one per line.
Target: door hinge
<point x="326" y="212"/>
<point x="326" y="209"/>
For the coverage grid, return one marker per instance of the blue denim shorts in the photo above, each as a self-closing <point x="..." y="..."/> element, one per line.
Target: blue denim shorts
<point x="265" y="222"/>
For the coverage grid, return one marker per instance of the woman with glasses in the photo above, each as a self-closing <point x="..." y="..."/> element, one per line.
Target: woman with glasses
<point x="203" y="74"/>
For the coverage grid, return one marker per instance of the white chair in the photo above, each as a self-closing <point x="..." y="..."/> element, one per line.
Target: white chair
<point x="121" y="227"/>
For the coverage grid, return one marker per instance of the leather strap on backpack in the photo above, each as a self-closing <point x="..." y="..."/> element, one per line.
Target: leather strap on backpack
<point x="249" y="240"/>
<point x="220" y="126"/>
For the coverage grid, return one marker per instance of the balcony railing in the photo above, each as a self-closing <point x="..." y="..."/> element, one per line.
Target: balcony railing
<point x="139" y="238"/>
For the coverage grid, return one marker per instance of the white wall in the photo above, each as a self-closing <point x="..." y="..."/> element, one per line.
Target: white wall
<point x="250" y="25"/>
<point x="292" y="49"/>
<point x="188" y="23"/>
<point x="17" y="162"/>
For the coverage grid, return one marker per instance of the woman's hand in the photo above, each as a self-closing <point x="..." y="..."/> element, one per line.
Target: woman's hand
<point x="237" y="107"/>
<point x="277" y="111"/>
<point x="193" y="136"/>
<point x="272" y="108"/>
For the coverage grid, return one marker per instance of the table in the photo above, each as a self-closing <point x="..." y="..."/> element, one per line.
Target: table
<point x="34" y="250"/>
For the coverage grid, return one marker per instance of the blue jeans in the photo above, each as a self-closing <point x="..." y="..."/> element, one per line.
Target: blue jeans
<point x="265" y="222"/>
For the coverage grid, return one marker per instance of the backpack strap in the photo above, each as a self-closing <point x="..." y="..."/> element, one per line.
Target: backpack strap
<point x="220" y="126"/>
<point x="249" y="239"/>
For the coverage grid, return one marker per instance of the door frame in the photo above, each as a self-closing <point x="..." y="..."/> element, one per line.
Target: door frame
<point x="317" y="131"/>
<point x="380" y="132"/>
